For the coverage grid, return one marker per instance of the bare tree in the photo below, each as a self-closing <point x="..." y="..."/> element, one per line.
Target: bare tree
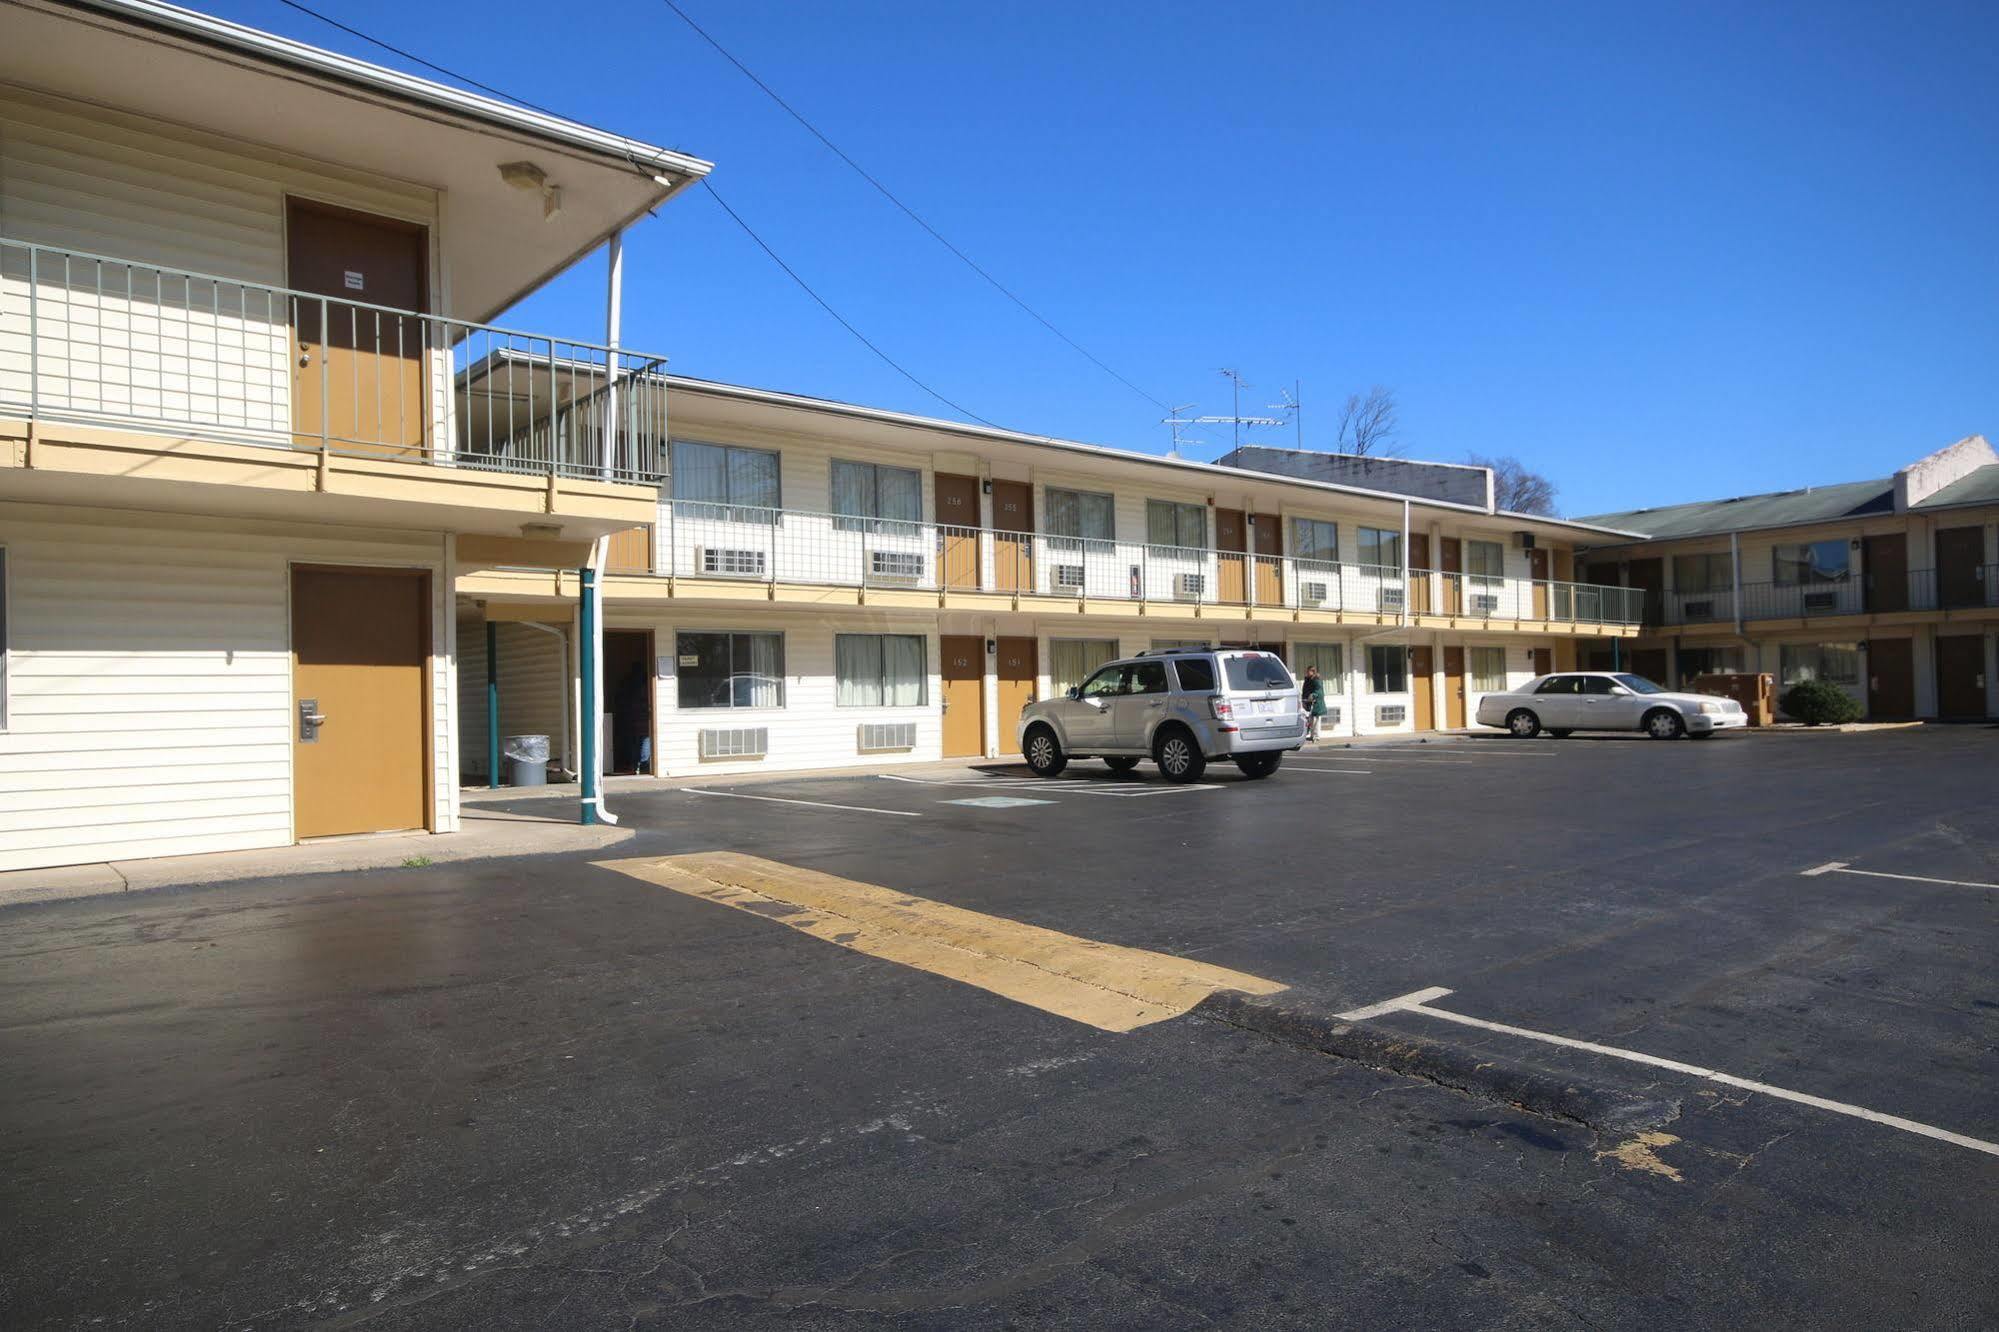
<point x="1369" y="422"/>
<point x="1516" y="489"/>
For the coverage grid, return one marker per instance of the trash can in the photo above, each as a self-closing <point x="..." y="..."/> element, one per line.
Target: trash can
<point x="527" y="760"/>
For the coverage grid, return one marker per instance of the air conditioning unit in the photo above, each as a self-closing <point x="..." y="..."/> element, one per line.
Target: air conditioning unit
<point x="1697" y="610"/>
<point x="729" y="562"/>
<point x="1190" y="586"/>
<point x="1391" y="714"/>
<point x="1391" y="599"/>
<point x="1821" y="601"/>
<point x="1484" y="603"/>
<point x="894" y="566"/>
<point x="1330" y="720"/>
<point x="1523" y="541"/>
<point x="735" y="742"/>
<point x="886" y="737"/>
<point x="1314" y="593"/>
<point x="1067" y="575"/>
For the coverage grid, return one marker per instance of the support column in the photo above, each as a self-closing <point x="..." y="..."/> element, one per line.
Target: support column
<point x="492" y="704"/>
<point x="590" y="777"/>
<point x="614" y="318"/>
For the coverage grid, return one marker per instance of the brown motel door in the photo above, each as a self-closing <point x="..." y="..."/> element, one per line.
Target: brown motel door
<point x="358" y="373"/>
<point x="1422" y="704"/>
<point x="1451" y="564"/>
<point x="1651" y="576"/>
<point x="1231" y="545"/>
<point x="964" y="695"/>
<point x="1269" y="532"/>
<point x="1891" y="679"/>
<point x="1544" y="661"/>
<point x="958" y="532"/>
<point x="1537" y="569"/>
<point x="1960" y="568"/>
<point x="1454" y="687"/>
<point x="1013" y="546"/>
<point x="360" y="642"/>
<point x="1961" y="676"/>
<point x="1650" y="663"/>
<point x="1018" y="662"/>
<point x="1887" y="561"/>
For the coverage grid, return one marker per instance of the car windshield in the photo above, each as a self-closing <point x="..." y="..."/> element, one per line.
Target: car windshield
<point x="1638" y="684"/>
<point x="1258" y="671"/>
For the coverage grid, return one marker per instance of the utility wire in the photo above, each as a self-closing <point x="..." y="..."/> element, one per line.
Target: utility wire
<point x="911" y="213"/>
<point x="734" y="216"/>
<point x="806" y="287"/>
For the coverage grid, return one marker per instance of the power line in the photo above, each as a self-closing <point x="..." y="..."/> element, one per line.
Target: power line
<point x="806" y="287"/>
<point x="911" y="213"/>
<point x="734" y="216"/>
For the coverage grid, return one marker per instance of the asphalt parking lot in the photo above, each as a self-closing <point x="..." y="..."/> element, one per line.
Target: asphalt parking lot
<point x="1704" y="1034"/>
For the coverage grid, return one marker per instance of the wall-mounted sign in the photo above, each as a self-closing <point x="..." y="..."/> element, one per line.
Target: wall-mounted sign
<point x="690" y="659"/>
<point x="353" y="280"/>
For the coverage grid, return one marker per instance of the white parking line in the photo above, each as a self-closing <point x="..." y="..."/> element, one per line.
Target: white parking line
<point x="1301" y="766"/>
<point x="1074" y="786"/>
<point x="1841" y="867"/>
<point x="1418" y="1002"/>
<point x="817" y="804"/>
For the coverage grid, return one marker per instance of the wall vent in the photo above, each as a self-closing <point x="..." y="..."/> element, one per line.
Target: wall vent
<point x="730" y="562"/>
<point x="1697" y="610"/>
<point x="886" y="737"/>
<point x="1068" y="575"/>
<point x="1331" y="719"/>
<point x="735" y="742"/>
<point x="1313" y="593"/>
<point x="1484" y="603"/>
<point x="1190" y="587"/>
<point x="897" y="566"/>
<point x="1391" y="599"/>
<point x="1821" y="601"/>
<point x="1391" y="714"/>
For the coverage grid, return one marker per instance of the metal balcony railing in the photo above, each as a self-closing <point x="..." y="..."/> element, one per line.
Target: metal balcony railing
<point x="1962" y="588"/>
<point x="95" y="340"/>
<point x="714" y="540"/>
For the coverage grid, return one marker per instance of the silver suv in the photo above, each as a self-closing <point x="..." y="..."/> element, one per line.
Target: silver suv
<point x="1179" y="707"/>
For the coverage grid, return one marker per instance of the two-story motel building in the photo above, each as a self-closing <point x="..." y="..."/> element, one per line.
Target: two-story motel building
<point x="238" y="276"/>
<point x="826" y="584"/>
<point x="1889" y="587"/>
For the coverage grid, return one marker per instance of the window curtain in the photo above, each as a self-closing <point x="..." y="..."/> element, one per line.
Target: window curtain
<point x="1315" y="540"/>
<point x="902" y="671"/>
<point x="1096" y="517"/>
<point x="853" y="491"/>
<point x="857" y="671"/>
<point x="1488" y="669"/>
<point x="1070" y="660"/>
<point x="1160" y="524"/>
<point x="701" y="473"/>
<point x="899" y="492"/>
<point x="757" y="665"/>
<point x="753" y="479"/>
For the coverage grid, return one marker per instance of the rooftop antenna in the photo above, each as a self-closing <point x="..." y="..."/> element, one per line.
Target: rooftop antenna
<point x="1292" y="408"/>
<point x="1175" y="423"/>
<point x="1238" y="420"/>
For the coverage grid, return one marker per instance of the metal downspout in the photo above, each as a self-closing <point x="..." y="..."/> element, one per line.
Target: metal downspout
<point x="590" y="643"/>
<point x="492" y="704"/>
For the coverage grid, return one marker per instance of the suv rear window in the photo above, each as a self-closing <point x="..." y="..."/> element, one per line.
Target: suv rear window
<point x="1258" y="672"/>
<point x="1197" y="674"/>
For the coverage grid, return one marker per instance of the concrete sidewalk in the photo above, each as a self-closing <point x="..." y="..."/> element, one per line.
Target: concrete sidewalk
<point x="483" y="834"/>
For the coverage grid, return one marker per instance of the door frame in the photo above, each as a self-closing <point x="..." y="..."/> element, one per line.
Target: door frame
<point x="433" y="622"/>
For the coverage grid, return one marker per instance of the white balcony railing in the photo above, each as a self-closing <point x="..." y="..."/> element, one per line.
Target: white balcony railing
<point x="709" y="540"/>
<point x="95" y="340"/>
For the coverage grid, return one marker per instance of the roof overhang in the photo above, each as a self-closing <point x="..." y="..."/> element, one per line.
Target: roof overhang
<point x="175" y="65"/>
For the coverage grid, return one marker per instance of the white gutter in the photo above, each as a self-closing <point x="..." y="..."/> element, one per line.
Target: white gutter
<point x="599" y="551"/>
<point x="269" y="47"/>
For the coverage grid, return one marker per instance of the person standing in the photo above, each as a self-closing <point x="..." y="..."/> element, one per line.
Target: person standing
<point x="1312" y="694"/>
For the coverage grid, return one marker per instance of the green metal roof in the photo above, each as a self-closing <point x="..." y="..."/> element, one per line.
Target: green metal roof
<point x="1980" y="487"/>
<point x="1783" y="508"/>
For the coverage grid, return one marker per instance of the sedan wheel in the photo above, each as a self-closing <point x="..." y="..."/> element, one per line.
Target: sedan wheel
<point x="1524" y="724"/>
<point x="1664" y="724"/>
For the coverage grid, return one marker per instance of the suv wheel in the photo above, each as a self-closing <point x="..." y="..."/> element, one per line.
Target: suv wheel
<point x="1256" y="766"/>
<point x="1524" y="724"/>
<point x="1044" y="752"/>
<point x="1664" y="724"/>
<point x="1178" y="757"/>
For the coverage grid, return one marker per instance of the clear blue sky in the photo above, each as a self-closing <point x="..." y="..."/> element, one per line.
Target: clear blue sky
<point x="1658" y="252"/>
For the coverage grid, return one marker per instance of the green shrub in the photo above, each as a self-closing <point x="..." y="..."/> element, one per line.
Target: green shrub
<point x="1816" y="701"/>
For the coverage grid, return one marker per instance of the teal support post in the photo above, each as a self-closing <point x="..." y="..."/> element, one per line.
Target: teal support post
<point x="586" y="650"/>
<point x="492" y="703"/>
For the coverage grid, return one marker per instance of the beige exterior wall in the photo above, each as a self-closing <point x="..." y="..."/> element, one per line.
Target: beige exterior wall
<point x="149" y="707"/>
<point x="535" y="674"/>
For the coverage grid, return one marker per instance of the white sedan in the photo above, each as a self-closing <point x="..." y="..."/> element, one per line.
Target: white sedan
<point x="1607" y="701"/>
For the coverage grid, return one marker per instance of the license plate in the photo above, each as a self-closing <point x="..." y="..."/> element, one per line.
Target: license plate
<point x="1269" y="706"/>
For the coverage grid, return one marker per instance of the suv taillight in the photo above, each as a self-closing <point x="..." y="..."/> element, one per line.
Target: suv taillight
<point x="1220" y="707"/>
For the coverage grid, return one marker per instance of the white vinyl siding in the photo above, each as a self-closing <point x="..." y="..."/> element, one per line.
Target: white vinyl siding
<point x="151" y="702"/>
<point x="535" y="692"/>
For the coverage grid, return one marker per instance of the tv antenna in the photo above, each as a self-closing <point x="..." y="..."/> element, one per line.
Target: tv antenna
<point x="1238" y="420"/>
<point x="1293" y="408"/>
<point x="1176" y="423"/>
